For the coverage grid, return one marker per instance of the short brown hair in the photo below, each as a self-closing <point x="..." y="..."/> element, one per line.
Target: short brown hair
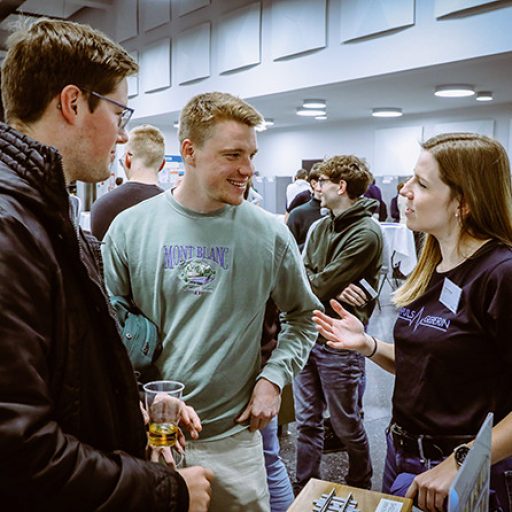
<point x="314" y="173"/>
<point x="51" y="54"/>
<point x="351" y="169"/>
<point x="204" y="111"/>
<point x="147" y="143"/>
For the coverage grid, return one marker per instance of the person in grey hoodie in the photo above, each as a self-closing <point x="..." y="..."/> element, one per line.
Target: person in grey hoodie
<point x="341" y="249"/>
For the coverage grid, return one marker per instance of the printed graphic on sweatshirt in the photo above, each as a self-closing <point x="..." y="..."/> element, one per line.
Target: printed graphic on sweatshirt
<point x="197" y="266"/>
<point x="416" y="318"/>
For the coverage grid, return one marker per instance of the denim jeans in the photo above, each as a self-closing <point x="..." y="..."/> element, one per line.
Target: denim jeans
<point x="279" y="485"/>
<point x="398" y="462"/>
<point x="330" y="378"/>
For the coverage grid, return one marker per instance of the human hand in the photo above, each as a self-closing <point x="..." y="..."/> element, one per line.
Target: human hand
<point x="263" y="406"/>
<point x="432" y="486"/>
<point x="164" y="407"/>
<point x="353" y="295"/>
<point x="347" y="332"/>
<point x="198" y="480"/>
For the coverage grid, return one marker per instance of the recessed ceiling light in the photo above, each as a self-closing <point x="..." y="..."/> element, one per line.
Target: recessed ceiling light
<point x="484" y="96"/>
<point x="321" y="118"/>
<point x="176" y="124"/>
<point x="454" y="91"/>
<point x="313" y="104"/>
<point x="387" y="112"/>
<point x="265" y="124"/>
<point x="310" y="112"/>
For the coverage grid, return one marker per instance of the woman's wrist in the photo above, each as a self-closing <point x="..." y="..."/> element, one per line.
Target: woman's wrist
<point x="374" y="346"/>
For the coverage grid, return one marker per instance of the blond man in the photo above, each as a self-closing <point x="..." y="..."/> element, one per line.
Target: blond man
<point x="72" y="436"/>
<point x="143" y="160"/>
<point x="203" y="273"/>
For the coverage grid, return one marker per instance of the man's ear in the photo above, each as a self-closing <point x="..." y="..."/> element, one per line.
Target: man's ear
<point x="127" y="160"/>
<point x="188" y="152"/>
<point x="71" y="100"/>
<point x="343" y="187"/>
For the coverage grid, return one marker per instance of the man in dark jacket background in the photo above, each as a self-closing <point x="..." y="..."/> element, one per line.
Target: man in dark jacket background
<point x="341" y="249"/>
<point x="72" y="436"/>
<point x="300" y="219"/>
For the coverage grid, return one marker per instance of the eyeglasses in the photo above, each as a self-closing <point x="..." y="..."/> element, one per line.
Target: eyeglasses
<point x="124" y="116"/>
<point x="321" y="181"/>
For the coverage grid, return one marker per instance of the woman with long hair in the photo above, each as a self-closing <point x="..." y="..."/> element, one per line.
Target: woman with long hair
<point x="452" y="355"/>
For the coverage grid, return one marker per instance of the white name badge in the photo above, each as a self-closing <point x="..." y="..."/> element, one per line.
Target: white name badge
<point x="450" y="295"/>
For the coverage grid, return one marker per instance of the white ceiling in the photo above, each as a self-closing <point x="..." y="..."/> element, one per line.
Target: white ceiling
<point x="410" y="90"/>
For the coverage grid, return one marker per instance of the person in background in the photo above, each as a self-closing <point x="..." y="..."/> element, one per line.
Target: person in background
<point x="381" y="210"/>
<point x="299" y="184"/>
<point x="301" y="218"/>
<point x="343" y="248"/>
<point x="197" y="275"/>
<point x="398" y="205"/>
<point x="452" y="355"/>
<point x="279" y="485"/>
<point x="302" y="197"/>
<point x="72" y="435"/>
<point x="142" y="161"/>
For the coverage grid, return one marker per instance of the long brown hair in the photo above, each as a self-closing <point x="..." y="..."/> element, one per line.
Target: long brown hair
<point x="477" y="170"/>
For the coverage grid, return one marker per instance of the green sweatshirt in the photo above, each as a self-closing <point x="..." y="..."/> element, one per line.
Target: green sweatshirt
<point x="204" y="280"/>
<point x="342" y="250"/>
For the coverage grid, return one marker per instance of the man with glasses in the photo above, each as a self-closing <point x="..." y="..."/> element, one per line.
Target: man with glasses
<point x="72" y="435"/>
<point x="342" y="248"/>
<point x="143" y="160"/>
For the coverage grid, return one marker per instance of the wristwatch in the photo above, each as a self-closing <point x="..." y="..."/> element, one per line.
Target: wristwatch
<point x="460" y="453"/>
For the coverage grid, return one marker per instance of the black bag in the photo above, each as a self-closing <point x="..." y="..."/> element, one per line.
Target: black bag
<point x="140" y="337"/>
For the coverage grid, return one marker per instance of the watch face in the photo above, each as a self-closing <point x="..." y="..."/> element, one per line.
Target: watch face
<point x="460" y="454"/>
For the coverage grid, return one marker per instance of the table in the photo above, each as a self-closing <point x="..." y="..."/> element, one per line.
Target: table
<point x="399" y="247"/>
<point x="367" y="501"/>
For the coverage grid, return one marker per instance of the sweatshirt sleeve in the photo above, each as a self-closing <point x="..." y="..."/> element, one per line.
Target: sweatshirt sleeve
<point x="41" y="463"/>
<point x="115" y="262"/>
<point x="346" y="263"/>
<point x="294" y="298"/>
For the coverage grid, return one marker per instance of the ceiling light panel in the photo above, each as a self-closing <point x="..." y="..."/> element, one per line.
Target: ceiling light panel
<point x="315" y="104"/>
<point x="387" y="112"/>
<point x="454" y="91"/>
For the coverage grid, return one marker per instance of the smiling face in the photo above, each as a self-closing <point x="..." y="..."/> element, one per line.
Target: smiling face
<point x="430" y="205"/>
<point x="218" y="170"/>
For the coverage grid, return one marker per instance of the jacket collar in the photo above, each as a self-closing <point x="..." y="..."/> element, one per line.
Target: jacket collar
<point x="32" y="171"/>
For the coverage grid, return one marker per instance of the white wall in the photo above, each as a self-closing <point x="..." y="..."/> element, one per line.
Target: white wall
<point x="281" y="151"/>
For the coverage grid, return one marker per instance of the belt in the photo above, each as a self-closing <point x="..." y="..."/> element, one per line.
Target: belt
<point x="425" y="446"/>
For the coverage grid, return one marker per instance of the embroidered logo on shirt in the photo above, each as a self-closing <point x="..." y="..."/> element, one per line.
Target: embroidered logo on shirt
<point x="416" y="318"/>
<point x="197" y="266"/>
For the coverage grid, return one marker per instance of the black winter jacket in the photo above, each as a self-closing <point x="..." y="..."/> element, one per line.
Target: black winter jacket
<point x="71" y="434"/>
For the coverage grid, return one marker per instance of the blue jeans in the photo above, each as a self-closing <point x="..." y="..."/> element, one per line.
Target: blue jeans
<point x="330" y="378"/>
<point x="400" y="463"/>
<point x="279" y="485"/>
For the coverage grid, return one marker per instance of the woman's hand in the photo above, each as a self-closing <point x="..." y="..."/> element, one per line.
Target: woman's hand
<point x="432" y="486"/>
<point x="345" y="333"/>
